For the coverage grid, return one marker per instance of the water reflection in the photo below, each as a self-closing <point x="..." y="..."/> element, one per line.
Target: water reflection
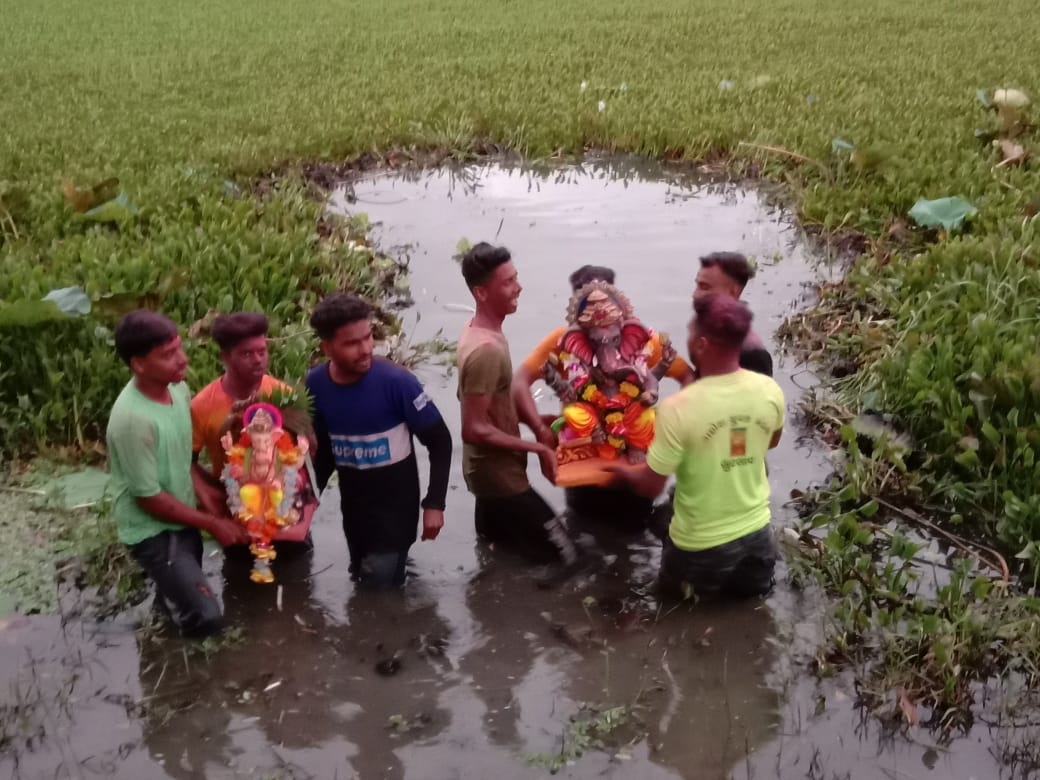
<point x="297" y="681"/>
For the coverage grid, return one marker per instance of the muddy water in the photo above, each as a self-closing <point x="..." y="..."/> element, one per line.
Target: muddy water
<point x="491" y="666"/>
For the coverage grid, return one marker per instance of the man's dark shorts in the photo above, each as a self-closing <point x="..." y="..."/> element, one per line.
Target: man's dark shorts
<point x="526" y="524"/>
<point x="740" y="569"/>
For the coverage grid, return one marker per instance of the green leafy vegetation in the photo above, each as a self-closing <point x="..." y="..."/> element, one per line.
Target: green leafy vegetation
<point x="923" y="615"/>
<point x="592" y="727"/>
<point x="944" y="343"/>
<point x="60" y="374"/>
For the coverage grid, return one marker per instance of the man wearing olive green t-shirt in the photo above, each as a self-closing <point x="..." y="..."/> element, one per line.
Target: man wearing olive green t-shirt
<point x="507" y="510"/>
<point x="714" y="436"/>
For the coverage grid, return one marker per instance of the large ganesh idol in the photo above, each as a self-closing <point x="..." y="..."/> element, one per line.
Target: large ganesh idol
<point x="262" y="477"/>
<point x="600" y="372"/>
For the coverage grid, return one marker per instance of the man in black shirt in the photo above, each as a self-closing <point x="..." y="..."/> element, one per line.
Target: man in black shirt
<point x="727" y="273"/>
<point x="721" y="273"/>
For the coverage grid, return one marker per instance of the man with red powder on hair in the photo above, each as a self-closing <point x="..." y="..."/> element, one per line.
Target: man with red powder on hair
<point x="714" y="436"/>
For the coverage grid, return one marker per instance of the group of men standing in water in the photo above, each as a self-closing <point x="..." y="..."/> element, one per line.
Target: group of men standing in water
<point x="712" y="436"/>
<point x="367" y="411"/>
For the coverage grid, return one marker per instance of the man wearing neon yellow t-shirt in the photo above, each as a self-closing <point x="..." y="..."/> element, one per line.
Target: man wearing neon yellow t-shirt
<point x="714" y="436"/>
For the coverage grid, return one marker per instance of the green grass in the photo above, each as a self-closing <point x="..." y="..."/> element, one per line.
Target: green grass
<point x="140" y="90"/>
<point x="177" y="99"/>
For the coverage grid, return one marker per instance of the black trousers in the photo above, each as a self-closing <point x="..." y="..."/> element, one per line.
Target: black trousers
<point x="526" y="524"/>
<point x="378" y="546"/>
<point x="173" y="561"/>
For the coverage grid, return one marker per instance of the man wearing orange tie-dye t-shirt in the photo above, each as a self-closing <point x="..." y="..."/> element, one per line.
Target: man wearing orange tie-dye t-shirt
<point x="242" y="339"/>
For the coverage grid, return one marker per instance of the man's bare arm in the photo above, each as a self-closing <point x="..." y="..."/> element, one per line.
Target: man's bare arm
<point x="526" y="409"/>
<point x="164" y="506"/>
<point x="478" y="429"/>
<point x="642" y="479"/>
<point x="776" y="438"/>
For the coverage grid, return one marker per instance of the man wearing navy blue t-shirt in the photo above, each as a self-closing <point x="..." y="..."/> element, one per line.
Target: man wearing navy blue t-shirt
<point x="366" y="411"/>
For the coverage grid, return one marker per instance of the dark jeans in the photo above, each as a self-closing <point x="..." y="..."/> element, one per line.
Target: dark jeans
<point x="379" y="570"/>
<point x="173" y="561"/>
<point x="526" y="524"/>
<point x="374" y="569"/>
<point x="741" y="568"/>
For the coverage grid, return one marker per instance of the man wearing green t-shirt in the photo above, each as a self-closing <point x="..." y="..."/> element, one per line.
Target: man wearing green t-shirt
<point x="714" y="436"/>
<point x="149" y="452"/>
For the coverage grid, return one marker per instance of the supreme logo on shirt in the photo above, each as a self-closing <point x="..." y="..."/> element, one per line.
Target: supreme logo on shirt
<point x="373" y="450"/>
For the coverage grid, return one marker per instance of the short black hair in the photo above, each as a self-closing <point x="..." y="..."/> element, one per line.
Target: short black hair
<point x="481" y="261"/>
<point x="735" y="265"/>
<point x="723" y="320"/>
<point x="591" y="273"/>
<point x="229" y="330"/>
<point x="337" y="310"/>
<point x="141" y="331"/>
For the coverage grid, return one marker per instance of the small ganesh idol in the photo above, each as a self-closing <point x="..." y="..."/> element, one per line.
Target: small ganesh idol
<point x="600" y="372"/>
<point x="262" y="476"/>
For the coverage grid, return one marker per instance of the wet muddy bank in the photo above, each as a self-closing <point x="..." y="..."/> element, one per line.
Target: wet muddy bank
<point x="475" y="670"/>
